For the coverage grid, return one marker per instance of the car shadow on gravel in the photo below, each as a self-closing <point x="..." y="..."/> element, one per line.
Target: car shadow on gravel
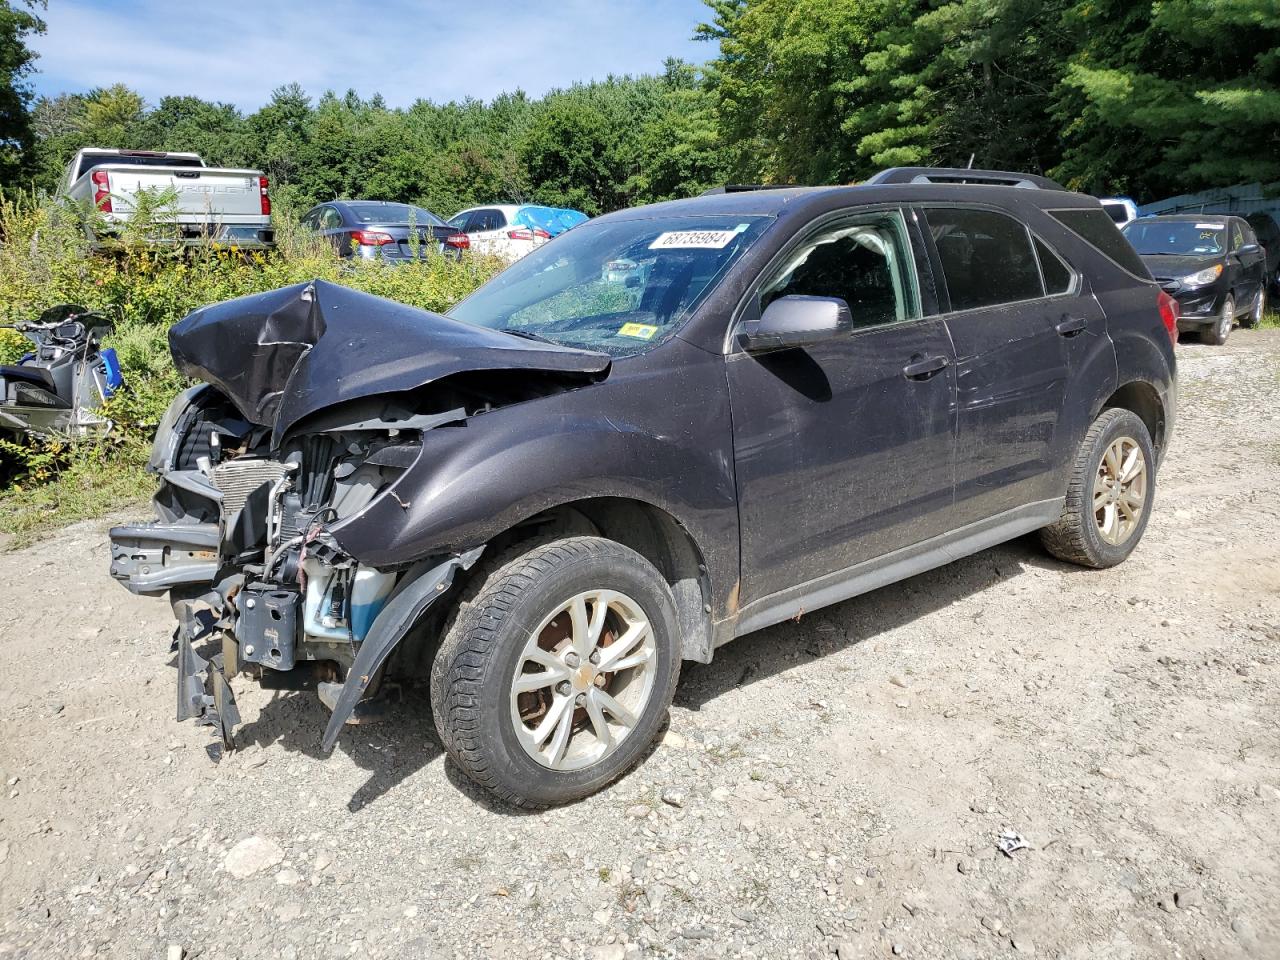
<point x="768" y="652"/>
<point x="391" y="750"/>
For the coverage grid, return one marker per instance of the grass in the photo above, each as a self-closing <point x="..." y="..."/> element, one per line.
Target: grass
<point x="78" y="493"/>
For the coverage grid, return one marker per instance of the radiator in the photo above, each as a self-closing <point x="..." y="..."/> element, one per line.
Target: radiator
<point x="238" y="479"/>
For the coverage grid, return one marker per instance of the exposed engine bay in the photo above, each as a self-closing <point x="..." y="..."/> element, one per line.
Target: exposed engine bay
<point x="243" y="547"/>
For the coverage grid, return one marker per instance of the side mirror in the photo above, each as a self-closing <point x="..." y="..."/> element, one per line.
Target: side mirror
<point x="796" y="321"/>
<point x="1250" y="248"/>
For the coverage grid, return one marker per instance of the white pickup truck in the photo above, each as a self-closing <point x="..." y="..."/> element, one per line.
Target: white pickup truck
<point x="213" y="203"/>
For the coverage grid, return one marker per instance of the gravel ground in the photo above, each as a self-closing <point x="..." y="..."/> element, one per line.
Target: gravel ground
<point x="833" y="787"/>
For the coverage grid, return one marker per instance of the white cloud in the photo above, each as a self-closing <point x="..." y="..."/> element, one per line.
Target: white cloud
<point x="238" y="51"/>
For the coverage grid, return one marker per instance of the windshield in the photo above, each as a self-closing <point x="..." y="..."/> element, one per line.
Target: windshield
<point x="393" y="213"/>
<point x="618" y="287"/>
<point x="1182" y="238"/>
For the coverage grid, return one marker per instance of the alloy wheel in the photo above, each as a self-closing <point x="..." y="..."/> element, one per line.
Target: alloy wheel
<point x="1120" y="490"/>
<point x="584" y="679"/>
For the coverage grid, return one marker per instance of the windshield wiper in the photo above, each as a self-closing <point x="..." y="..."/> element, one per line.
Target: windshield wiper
<point x="526" y="335"/>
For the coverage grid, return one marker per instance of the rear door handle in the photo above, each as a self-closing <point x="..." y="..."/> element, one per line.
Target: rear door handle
<point x="1071" y="326"/>
<point x="924" y="369"/>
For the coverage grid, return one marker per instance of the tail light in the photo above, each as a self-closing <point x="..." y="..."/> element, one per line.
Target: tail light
<point x="101" y="190"/>
<point x="1170" y="310"/>
<point x="459" y="241"/>
<point x="524" y="233"/>
<point x="372" y="238"/>
<point x="263" y="184"/>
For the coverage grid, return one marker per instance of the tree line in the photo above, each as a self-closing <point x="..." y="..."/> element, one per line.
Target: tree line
<point x="1144" y="97"/>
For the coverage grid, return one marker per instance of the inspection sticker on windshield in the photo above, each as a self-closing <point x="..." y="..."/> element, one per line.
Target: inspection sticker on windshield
<point x="641" y="331"/>
<point x="694" y="240"/>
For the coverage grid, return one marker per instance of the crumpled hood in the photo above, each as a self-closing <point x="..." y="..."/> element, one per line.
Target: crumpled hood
<point x="283" y="355"/>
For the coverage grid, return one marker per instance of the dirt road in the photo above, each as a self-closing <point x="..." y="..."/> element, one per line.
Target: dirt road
<point x="834" y="787"/>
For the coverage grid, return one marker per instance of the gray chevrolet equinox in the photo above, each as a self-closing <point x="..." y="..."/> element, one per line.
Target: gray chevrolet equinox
<point x="668" y="427"/>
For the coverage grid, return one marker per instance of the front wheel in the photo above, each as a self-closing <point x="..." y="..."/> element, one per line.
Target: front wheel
<point x="1109" y="496"/>
<point x="1254" y="319"/>
<point x="557" y="670"/>
<point x="1217" y="332"/>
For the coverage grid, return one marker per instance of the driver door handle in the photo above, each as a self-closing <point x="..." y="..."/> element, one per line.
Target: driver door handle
<point x="1071" y="326"/>
<point x="924" y="369"/>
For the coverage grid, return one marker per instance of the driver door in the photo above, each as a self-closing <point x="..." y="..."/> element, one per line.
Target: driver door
<point x="843" y="449"/>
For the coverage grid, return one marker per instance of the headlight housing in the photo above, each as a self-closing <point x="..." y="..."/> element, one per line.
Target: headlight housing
<point x="1207" y="275"/>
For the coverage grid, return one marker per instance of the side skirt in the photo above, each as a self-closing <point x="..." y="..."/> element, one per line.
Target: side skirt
<point x="892" y="567"/>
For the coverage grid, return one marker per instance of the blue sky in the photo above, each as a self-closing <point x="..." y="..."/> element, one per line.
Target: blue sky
<point x="237" y="51"/>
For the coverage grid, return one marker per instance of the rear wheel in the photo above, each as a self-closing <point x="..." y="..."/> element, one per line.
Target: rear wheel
<point x="1109" y="497"/>
<point x="557" y="670"/>
<point x="1217" y="332"/>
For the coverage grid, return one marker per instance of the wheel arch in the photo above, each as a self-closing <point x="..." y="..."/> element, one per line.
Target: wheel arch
<point x="650" y="531"/>
<point x="1142" y="399"/>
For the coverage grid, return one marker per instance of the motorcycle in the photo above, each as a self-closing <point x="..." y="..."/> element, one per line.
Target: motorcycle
<point x="58" y="389"/>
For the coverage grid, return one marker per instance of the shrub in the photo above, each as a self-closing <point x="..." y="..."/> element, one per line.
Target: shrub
<point x="47" y="258"/>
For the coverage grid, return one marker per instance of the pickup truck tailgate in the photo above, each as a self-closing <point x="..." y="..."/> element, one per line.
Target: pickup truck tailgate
<point x="230" y="196"/>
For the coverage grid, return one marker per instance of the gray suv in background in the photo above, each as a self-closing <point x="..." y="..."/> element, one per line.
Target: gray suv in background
<point x="540" y="505"/>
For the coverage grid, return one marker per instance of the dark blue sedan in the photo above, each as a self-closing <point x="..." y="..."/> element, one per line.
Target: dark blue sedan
<point x="373" y="229"/>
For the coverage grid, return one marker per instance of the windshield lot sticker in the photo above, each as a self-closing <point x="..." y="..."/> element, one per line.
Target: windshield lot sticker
<point x="693" y="240"/>
<point x="641" y="331"/>
<point x="1208" y="226"/>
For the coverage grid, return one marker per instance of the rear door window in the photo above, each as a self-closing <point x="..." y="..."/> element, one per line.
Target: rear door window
<point x="1092" y="225"/>
<point x="330" y="219"/>
<point x="987" y="257"/>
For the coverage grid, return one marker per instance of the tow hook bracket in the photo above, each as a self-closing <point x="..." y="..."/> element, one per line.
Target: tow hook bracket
<point x="267" y="626"/>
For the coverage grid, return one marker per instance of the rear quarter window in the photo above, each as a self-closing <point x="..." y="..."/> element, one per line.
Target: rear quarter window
<point x="1098" y="230"/>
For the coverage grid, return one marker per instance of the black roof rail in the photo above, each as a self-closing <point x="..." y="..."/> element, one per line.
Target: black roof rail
<point x="747" y="188"/>
<point x="1003" y="178"/>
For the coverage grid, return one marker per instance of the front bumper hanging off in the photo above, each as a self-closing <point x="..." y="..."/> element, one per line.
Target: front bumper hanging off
<point x="204" y="691"/>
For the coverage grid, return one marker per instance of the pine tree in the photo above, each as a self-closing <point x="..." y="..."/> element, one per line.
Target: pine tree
<point x="1171" y="96"/>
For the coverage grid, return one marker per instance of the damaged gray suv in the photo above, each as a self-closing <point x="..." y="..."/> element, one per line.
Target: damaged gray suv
<point x="667" y="428"/>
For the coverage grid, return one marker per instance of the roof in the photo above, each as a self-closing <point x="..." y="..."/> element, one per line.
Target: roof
<point x="117" y="152"/>
<point x="816" y="200"/>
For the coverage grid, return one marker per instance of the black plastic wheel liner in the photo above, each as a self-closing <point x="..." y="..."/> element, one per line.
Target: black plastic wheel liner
<point x="283" y="355"/>
<point x="402" y="611"/>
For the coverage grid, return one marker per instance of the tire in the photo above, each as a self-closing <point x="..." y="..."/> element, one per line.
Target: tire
<point x="1216" y="333"/>
<point x="1078" y="535"/>
<point x="521" y="603"/>
<point x="1258" y="310"/>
